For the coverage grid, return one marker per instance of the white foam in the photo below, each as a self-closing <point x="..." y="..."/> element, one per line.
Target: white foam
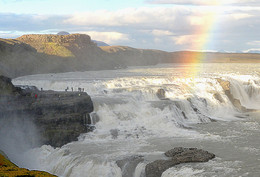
<point x="131" y="114"/>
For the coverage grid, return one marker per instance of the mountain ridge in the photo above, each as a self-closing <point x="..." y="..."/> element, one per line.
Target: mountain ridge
<point x="48" y="53"/>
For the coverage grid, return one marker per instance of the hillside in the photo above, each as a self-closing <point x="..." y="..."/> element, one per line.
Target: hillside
<point x="135" y="57"/>
<point x="33" y="54"/>
<point x="211" y="57"/>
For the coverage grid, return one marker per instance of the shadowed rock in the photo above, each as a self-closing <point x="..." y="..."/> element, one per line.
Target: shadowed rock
<point x="60" y="117"/>
<point x="161" y="94"/>
<point x="178" y="155"/>
<point x="129" y="164"/>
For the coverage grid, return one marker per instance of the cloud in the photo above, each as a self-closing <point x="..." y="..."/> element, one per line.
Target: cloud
<point x="207" y="2"/>
<point x="253" y="50"/>
<point x="162" y="33"/>
<point x="141" y="17"/>
<point x="239" y="16"/>
<point x="108" y="37"/>
<point x="254" y="43"/>
<point x="166" y="28"/>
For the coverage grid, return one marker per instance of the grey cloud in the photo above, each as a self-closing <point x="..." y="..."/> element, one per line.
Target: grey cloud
<point x="234" y="30"/>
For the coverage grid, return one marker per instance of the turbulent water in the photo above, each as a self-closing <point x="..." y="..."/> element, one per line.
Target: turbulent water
<point x="132" y="120"/>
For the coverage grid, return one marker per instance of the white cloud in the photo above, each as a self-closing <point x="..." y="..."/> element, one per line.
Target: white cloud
<point x="180" y="27"/>
<point x="207" y="2"/>
<point x="191" y="40"/>
<point x="162" y="33"/>
<point x="239" y="16"/>
<point x="254" y="43"/>
<point x="253" y="50"/>
<point x="108" y="37"/>
<point x="141" y="17"/>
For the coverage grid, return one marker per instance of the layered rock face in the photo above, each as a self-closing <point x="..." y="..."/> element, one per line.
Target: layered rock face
<point x="34" y="54"/>
<point x="60" y="45"/>
<point x="59" y="117"/>
<point x="84" y="54"/>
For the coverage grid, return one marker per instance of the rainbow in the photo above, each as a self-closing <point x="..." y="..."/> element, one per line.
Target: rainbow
<point x="202" y="37"/>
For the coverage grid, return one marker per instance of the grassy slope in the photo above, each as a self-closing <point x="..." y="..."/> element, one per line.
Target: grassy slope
<point x="9" y="169"/>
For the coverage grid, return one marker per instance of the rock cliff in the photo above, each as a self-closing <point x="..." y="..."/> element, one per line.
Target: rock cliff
<point x="78" y="47"/>
<point x="34" y="54"/>
<point x="59" y="117"/>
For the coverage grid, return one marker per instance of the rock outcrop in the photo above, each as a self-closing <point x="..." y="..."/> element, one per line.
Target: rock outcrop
<point x="7" y="168"/>
<point x="60" y="117"/>
<point x="129" y="164"/>
<point x="78" y="47"/>
<point x="236" y="102"/>
<point x="178" y="155"/>
<point x="34" y="54"/>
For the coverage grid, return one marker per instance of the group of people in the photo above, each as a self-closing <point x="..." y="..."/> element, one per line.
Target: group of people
<point x="79" y="89"/>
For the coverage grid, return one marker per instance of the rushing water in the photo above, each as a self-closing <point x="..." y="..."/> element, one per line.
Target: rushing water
<point x="134" y="121"/>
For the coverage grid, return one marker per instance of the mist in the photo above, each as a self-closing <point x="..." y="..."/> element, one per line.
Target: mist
<point x="18" y="135"/>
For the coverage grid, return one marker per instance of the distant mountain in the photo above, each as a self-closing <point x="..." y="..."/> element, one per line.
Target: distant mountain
<point x="253" y="51"/>
<point x="100" y="43"/>
<point x="63" y="33"/>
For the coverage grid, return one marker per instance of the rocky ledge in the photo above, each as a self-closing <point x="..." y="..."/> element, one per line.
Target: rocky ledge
<point x="58" y="117"/>
<point x="177" y="156"/>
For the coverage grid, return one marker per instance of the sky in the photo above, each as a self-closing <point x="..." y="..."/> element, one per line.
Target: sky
<point x="169" y="25"/>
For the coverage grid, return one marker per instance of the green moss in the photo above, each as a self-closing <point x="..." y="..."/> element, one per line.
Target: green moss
<point x="9" y="41"/>
<point x="9" y="169"/>
<point x="53" y="48"/>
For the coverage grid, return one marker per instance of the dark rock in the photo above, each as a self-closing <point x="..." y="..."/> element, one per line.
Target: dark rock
<point x="60" y="116"/>
<point x="156" y="168"/>
<point x="178" y="155"/>
<point x="129" y="164"/>
<point x="160" y="93"/>
<point x="114" y="133"/>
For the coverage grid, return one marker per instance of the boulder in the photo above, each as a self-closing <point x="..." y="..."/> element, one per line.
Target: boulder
<point x="161" y="94"/>
<point x="129" y="164"/>
<point x="60" y="117"/>
<point x="178" y="155"/>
